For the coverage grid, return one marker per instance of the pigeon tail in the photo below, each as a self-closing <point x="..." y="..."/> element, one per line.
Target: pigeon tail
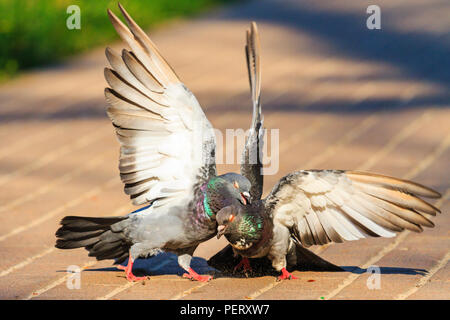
<point x="95" y="235"/>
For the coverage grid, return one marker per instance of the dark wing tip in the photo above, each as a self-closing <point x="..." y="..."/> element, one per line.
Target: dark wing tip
<point x="436" y="194"/>
<point x="121" y="8"/>
<point x="111" y="14"/>
<point x="254" y="27"/>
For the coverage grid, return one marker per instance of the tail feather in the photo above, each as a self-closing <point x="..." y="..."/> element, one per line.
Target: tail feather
<point x="118" y="253"/>
<point x="95" y="235"/>
<point x="75" y="243"/>
<point x="74" y="223"/>
<point x="77" y="235"/>
<point x="121" y="258"/>
<point x="104" y="247"/>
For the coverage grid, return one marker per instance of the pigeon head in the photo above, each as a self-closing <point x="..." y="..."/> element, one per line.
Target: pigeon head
<point x="225" y="190"/>
<point x="240" y="183"/>
<point x="241" y="225"/>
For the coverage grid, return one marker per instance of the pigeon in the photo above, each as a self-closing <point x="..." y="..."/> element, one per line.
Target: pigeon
<point x="167" y="163"/>
<point x="314" y="207"/>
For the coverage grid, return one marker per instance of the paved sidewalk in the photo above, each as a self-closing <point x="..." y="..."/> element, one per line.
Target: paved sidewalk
<point x="343" y="97"/>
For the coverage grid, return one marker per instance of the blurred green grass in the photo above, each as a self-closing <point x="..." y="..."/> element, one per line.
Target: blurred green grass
<point x="34" y="33"/>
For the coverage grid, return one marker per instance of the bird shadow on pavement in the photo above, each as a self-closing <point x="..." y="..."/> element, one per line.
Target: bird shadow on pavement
<point x="222" y="265"/>
<point x="163" y="264"/>
<point x="224" y="262"/>
<point x="386" y="270"/>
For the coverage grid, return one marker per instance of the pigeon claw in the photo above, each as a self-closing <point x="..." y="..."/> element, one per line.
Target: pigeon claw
<point x="194" y="276"/>
<point x="245" y="264"/>
<point x="132" y="278"/>
<point x="128" y="271"/>
<point x="286" y="275"/>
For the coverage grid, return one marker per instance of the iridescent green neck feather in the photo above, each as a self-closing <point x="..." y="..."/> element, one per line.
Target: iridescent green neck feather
<point x="250" y="226"/>
<point x="218" y="193"/>
<point x="208" y="211"/>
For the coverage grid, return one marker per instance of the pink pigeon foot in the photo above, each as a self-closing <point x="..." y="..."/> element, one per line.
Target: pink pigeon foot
<point x="192" y="275"/>
<point x="128" y="271"/>
<point x="245" y="264"/>
<point x="286" y="275"/>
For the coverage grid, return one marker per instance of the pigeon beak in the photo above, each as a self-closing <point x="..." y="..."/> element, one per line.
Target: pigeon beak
<point x="220" y="231"/>
<point x="245" y="197"/>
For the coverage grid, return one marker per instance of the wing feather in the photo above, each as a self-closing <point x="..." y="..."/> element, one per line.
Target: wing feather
<point x="164" y="67"/>
<point x="166" y="140"/>
<point x="306" y="235"/>
<point x="331" y="226"/>
<point x="139" y="71"/>
<point x="318" y="231"/>
<point x="135" y="44"/>
<point x="390" y="182"/>
<point x="251" y="160"/>
<point x="331" y="205"/>
<point x="341" y="224"/>
<point x="397" y="197"/>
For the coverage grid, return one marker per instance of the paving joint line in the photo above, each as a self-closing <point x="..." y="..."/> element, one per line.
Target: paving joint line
<point x="55" y="283"/>
<point x="60" y="209"/>
<point x="25" y="141"/>
<point x="45" y="188"/>
<point x="188" y="291"/>
<point x="51" y="156"/>
<point x="59" y="281"/>
<point x="438" y="266"/>
<point x="425" y="279"/>
<point x="26" y="262"/>
<point x="129" y="284"/>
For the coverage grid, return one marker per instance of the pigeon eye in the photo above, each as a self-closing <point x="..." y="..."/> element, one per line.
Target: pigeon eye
<point x="231" y="218"/>
<point x="236" y="185"/>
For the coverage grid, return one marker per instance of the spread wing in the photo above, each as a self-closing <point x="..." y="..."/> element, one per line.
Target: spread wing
<point x="167" y="144"/>
<point x="251" y="162"/>
<point x="322" y="206"/>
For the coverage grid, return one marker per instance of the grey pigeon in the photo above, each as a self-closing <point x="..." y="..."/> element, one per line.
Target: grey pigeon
<point x="167" y="161"/>
<point x="315" y="207"/>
